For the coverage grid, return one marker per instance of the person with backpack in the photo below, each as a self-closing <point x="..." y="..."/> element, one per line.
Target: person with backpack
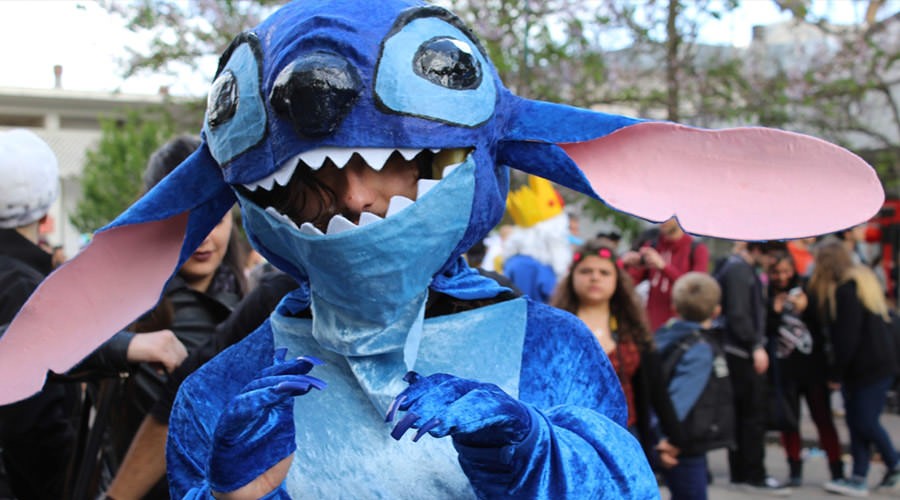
<point x="696" y="375"/>
<point x="661" y="260"/>
<point x="743" y="319"/>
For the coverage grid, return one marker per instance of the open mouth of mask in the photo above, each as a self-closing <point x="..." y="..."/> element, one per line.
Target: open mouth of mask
<point x="299" y="194"/>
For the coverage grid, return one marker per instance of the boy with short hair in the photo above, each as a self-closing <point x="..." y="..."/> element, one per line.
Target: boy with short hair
<point x="695" y="371"/>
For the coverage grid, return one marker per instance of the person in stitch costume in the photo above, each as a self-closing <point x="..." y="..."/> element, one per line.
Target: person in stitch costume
<point x="316" y="121"/>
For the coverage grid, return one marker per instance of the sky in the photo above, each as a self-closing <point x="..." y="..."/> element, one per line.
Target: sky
<point x="90" y="43"/>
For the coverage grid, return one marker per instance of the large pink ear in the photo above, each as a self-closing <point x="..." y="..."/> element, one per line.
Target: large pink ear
<point x="742" y="183"/>
<point x="105" y="287"/>
<point x="119" y="276"/>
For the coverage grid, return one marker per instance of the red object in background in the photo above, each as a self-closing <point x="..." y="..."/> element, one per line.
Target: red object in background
<point x="873" y="234"/>
<point x="884" y="228"/>
<point x="47" y="225"/>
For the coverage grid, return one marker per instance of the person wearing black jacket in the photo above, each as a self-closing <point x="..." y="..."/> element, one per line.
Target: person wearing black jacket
<point x="36" y="434"/>
<point x="743" y="317"/>
<point x="852" y="312"/>
<point x="798" y="367"/>
<point x="199" y="297"/>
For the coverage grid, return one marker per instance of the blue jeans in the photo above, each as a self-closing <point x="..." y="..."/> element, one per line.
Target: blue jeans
<point x="863" y="405"/>
<point x="687" y="480"/>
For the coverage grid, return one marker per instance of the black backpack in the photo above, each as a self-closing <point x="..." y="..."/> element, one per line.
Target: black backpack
<point x="710" y="422"/>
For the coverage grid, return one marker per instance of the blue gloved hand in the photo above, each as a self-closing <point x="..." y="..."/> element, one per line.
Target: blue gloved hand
<point x="256" y="430"/>
<point x="474" y="413"/>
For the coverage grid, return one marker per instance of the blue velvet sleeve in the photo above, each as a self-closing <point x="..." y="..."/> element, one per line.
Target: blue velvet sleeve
<point x="200" y="401"/>
<point x="578" y="446"/>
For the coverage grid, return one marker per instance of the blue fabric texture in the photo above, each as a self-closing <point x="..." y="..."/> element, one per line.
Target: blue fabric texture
<point x="529" y="401"/>
<point x="693" y="370"/>
<point x="255" y="431"/>
<point x="532" y="277"/>
<point x="476" y="414"/>
<point x="576" y="445"/>
<point x="195" y="186"/>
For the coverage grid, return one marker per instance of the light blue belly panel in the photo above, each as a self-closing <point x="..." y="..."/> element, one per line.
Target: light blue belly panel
<point x="344" y="434"/>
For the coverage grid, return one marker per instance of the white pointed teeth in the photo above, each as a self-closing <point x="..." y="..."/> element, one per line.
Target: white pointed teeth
<point x="340" y="156"/>
<point x="375" y="158"/>
<point x="408" y="154"/>
<point x="266" y="183"/>
<point x="397" y="204"/>
<point x="339" y="224"/>
<point x="310" y="229"/>
<point x="315" y="158"/>
<point x="425" y="185"/>
<point x="281" y="176"/>
<point x="368" y="218"/>
<point x="449" y="170"/>
<point x="280" y="216"/>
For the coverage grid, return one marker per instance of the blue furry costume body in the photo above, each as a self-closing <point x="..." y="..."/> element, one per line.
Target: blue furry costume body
<point x="508" y="398"/>
<point x="368" y="325"/>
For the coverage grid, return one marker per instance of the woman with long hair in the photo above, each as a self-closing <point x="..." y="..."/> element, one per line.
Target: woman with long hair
<point x="602" y="295"/>
<point x="797" y="356"/>
<point x="851" y="311"/>
<point x="200" y="296"/>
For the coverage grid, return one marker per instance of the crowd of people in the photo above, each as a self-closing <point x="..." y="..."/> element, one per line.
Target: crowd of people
<point x="711" y="356"/>
<point x="779" y="331"/>
<point x="206" y="306"/>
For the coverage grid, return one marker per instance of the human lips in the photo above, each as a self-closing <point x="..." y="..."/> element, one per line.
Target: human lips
<point x="202" y="256"/>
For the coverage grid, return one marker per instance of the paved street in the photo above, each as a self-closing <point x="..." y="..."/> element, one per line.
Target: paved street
<point x="815" y="465"/>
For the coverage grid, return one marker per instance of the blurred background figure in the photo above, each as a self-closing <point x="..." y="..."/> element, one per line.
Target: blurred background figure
<point x="854" y="239"/>
<point x="603" y="297"/>
<point x="494" y="244"/>
<point x="851" y="310"/>
<point x="797" y="368"/>
<point x="661" y="259"/>
<point x="695" y="373"/>
<point x="743" y="318"/>
<point x="36" y="435"/>
<point x="801" y="254"/>
<point x="200" y="295"/>
<point x="574" y="229"/>
<point x="538" y="249"/>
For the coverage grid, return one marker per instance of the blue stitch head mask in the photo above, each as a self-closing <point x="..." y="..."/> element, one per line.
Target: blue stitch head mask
<point x="325" y="93"/>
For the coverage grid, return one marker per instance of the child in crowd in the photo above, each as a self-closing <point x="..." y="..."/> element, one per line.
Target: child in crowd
<point x="698" y="384"/>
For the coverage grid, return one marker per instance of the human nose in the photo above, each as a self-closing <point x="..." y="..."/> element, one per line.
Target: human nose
<point x="358" y="196"/>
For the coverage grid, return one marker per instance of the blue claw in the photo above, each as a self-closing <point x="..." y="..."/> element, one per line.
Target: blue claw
<point x="405" y="423"/>
<point x="311" y="359"/>
<point x="308" y="363"/>
<point x="411" y="377"/>
<point x="392" y="410"/>
<point x="302" y="385"/>
<point x="280" y="353"/>
<point x="431" y="424"/>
